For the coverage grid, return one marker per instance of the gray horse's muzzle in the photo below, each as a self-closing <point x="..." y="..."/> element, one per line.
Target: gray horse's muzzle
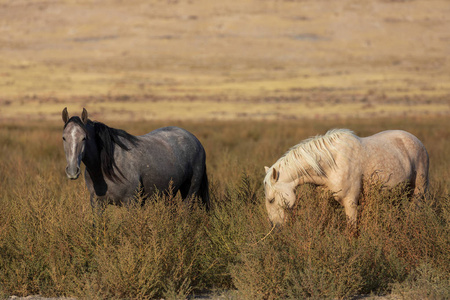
<point x="72" y="174"/>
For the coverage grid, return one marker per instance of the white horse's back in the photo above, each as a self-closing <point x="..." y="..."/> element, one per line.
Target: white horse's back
<point x="396" y="156"/>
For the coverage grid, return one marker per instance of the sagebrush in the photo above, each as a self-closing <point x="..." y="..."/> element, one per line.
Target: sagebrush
<point x="54" y="245"/>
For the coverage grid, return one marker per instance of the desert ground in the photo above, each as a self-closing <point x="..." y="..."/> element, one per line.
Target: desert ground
<point x="202" y="59"/>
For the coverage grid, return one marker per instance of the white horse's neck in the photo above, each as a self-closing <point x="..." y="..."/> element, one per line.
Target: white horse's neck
<point x="314" y="179"/>
<point x="298" y="179"/>
<point x="301" y="179"/>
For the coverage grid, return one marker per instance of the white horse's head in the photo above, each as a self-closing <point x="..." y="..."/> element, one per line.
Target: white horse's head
<point x="280" y="193"/>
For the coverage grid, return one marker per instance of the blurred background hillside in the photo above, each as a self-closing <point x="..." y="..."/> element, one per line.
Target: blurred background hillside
<point x="208" y="59"/>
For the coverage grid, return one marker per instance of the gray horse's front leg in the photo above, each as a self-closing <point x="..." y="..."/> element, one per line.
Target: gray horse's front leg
<point x="98" y="207"/>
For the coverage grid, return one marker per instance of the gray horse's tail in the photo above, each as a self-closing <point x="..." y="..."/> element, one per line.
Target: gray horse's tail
<point x="204" y="191"/>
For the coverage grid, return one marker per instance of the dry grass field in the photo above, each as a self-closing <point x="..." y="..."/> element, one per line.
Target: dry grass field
<point x="50" y="246"/>
<point x="249" y="78"/>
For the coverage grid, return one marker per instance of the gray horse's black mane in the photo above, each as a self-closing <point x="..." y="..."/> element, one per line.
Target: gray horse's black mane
<point x="106" y="138"/>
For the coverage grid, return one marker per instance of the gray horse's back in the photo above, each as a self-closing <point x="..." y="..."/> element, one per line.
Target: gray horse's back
<point x="175" y="142"/>
<point x="396" y="156"/>
<point x="173" y="154"/>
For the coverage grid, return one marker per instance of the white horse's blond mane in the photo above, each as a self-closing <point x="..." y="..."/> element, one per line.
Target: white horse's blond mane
<point x="307" y="155"/>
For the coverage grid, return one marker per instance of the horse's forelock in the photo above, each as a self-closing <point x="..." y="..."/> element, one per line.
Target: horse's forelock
<point x="77" y="121"/>
<point x="268" y="179"/>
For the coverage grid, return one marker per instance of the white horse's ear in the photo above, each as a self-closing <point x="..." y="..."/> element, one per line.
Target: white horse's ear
<point x="84" y="116"/>
<point x="65" y="115"/>
<point x="267" y="169"/>
<point x="275" y="175"/>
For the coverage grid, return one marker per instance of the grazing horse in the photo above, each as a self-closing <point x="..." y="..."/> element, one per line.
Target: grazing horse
<point x="339" y="161"/>
<point x="119" y="164"/>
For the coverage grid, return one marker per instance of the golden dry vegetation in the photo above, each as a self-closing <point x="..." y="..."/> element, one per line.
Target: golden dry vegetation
<point x="53" y="244"/>
<point x="202" y="59"/>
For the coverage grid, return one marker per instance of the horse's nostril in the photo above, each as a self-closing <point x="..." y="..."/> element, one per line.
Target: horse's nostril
<point x="71" y="174"/>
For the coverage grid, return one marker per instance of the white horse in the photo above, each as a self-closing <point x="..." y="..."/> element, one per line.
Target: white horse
<point x="339" y="161"/>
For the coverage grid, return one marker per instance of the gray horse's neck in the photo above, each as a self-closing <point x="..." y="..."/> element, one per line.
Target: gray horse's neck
<point x="92" y="162"/>
<point x="91" y="157"/>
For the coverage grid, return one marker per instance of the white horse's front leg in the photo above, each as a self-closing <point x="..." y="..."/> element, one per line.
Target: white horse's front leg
<point x="350" y="204"/>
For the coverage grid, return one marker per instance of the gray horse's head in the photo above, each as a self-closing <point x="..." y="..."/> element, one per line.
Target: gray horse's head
<point x="74" y="140"/>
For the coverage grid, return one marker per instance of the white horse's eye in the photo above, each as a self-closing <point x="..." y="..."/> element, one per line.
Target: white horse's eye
<point x="272" y="200"/>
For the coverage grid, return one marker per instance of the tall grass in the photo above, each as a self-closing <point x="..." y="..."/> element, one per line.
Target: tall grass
<point x="51" y="243"/>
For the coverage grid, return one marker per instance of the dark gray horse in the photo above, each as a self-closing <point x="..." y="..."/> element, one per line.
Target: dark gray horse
<point x="118" y="164"/>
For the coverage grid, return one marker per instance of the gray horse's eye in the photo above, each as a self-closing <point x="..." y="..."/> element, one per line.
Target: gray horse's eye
<point x="64" y="139"/>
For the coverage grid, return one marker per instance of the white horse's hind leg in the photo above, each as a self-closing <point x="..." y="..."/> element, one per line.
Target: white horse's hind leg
<point x="421" y="179"/>
<point x="421" y="182"/>
<point x="420" y="188"/>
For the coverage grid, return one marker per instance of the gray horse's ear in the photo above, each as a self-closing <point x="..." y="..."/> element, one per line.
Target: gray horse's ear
<point x="65" y="115"/>
<point x="84" y="116"/>
<point x="275" y="175"/>
<point x="267" y="169"/>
